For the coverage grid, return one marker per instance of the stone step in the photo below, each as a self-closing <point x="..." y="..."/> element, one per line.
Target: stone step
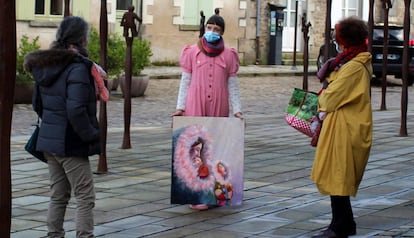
<point x="287" y="59"/>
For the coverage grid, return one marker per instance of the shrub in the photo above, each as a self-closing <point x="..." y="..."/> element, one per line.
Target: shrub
<point x="141" y="53"/>
<point x="116" y="52"/>
<point x="25" y="47"/>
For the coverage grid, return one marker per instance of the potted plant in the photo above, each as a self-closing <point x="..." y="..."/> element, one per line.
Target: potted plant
<point x="141" y="53"/>
<point x="23" y="89"/>
<point x="115" y="57"/>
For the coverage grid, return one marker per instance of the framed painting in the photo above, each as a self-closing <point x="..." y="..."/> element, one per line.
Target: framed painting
<point x="207" y="161"/>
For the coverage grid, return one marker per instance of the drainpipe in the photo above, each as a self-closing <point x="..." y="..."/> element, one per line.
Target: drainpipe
<point x="258" y="19"/>
<point x="140" y="15"/>
<point x="140" y="8"/>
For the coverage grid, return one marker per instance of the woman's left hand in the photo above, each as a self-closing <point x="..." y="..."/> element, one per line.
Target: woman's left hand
<point x="239" y="115"/>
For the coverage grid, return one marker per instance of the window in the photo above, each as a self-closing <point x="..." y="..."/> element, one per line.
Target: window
<point x="192" y="10"/>
<point x="56" y="7"/>
<point x="40" y="7"/>
<point x="346" y="8"/>
<point x="350" y="8"/>
<point x="290" y="13"/>
<point x="49" y="7"/>
<point x="123" y="4"/>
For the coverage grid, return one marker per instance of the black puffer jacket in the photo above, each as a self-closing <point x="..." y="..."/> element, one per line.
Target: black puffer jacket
<point x="67" y="102"/>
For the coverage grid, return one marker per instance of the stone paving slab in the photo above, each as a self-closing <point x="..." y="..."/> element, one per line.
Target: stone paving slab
<point x="279" y="198"/>
<point x="280" y="201"/>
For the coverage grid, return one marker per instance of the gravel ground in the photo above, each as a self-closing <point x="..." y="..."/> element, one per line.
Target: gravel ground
<point x="259" y="95"/>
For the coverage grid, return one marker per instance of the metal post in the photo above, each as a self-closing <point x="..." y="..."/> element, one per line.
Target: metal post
<point x="404" y="93"/>
<point x="327" y="30"/>
<point x="7" y="82"/>
<point x="305" y="30"/>
<point x="103" y="124"/>
<point x="130" y="31"/>
<point x="67" y="8"/>
<point x="370" y="24"/>
<point x="295" y="37"/>
<point x="258" y="19"/>
<point x="126" y="143"/>
<point x="386" y="5"/>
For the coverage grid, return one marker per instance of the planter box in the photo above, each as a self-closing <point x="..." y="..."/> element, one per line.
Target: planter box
<point x="113" y="84"/>
<point x="23" y="93"/>
<point x="138" y="85"/>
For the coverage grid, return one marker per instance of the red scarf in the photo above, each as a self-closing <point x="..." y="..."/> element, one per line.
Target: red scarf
<point x="99" y="74"/>
<point x="334" y="64"/>
<point x="346" y="55"/>
<point x="211" y="49"/>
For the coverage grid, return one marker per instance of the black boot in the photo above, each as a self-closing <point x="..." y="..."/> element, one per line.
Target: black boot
<point x="343" y="223"/>
<point x="328" y="233"/>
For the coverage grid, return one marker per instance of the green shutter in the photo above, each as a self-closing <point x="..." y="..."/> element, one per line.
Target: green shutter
<point x="25" y="10"/>
<point x="207" y="7"/>
<point x="81" y="8"/>
<point x="192" y="10"/>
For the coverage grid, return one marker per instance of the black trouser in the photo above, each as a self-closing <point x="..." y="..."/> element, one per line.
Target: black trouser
<point x="342" y="223"/>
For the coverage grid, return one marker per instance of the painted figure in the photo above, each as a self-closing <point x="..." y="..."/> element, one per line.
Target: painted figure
<point x="192" y="181"/>
<point x="195" y="153"/>
<point x="223" y="189"/>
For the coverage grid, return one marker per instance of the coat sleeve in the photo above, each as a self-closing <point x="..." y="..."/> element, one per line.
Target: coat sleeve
<point x="79" y="88"/>
<point x="186" y="59"/>
<point x="233" y="86"/>
<point x="343" y="88"/>
<point x="183" y="91"/>
<point x="234" y="95"/>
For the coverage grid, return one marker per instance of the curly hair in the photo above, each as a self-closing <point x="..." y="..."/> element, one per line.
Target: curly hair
<point x="351" y="31"/>
<point x="72" y="30"/>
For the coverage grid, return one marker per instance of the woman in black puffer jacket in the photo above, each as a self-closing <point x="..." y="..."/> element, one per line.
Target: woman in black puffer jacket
<point x="65" y="100"/>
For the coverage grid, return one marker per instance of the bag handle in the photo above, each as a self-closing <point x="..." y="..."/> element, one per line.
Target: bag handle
<point x="303" y="101"/>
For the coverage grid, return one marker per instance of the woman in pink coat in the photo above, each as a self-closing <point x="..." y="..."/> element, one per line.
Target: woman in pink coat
<point x="209" y="85"/>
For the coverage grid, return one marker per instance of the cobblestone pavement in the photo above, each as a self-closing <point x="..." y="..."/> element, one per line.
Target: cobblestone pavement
<point x="260" y="95"/>
<point x="279" y="198"/>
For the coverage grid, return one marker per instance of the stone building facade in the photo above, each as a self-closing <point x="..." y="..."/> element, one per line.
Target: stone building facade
<point x="247" y="23"/>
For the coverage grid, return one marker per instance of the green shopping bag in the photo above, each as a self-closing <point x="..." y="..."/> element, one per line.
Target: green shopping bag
<point x="302" y="107"/>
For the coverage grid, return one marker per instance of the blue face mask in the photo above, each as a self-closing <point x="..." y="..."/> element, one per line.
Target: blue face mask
<point x="212" y="36"/>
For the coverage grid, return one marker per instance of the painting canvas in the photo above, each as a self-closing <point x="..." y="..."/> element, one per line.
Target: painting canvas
<point x="207" y="161"/>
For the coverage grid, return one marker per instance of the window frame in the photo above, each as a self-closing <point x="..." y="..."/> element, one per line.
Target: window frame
<point x="347" y="8"/>
<point x="125" y="1"/>
<point x="47" y="16"/>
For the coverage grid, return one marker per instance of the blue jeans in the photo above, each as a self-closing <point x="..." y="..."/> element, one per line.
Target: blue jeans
<point x="67" y="174"/>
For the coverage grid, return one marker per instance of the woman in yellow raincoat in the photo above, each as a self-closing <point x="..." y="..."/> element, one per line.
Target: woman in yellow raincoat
<point x="346" y="136"/>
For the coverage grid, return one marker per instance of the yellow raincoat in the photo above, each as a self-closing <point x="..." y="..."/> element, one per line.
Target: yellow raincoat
<point x="346" y="136"/>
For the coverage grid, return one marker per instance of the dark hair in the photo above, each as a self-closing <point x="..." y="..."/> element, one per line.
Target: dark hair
<point x="216" y="20"/>
<point x="197" y="142"/>
<point x="351" y="31"/>
<point x="72" y="31"/>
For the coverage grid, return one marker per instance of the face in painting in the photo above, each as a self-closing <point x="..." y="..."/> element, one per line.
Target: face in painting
<point x="221" y="169"/>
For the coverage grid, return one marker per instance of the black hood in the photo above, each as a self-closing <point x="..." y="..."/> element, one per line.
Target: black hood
<point x="47" y="65"/>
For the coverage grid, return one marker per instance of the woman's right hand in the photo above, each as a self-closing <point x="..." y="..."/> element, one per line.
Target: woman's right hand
<point x="179" y="112"/>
